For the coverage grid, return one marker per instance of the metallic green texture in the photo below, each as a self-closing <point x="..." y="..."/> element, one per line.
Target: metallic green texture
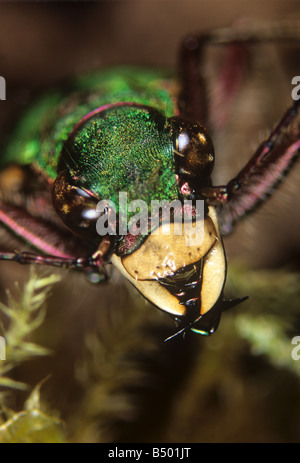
<point x="40" y="134"/>
<point x="124" y="148"/>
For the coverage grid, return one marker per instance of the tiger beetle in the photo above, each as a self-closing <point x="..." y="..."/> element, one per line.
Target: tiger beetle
<point x="145" y="133"/>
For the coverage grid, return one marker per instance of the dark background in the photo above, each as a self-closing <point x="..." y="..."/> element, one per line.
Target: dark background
<point x="136" y="388"/>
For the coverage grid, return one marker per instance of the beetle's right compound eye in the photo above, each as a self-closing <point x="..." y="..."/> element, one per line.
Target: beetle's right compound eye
<point x="193" y="149"/>
<point x="75" y="205"/>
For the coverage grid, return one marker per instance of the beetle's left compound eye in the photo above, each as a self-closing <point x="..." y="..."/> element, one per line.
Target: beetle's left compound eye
<point x="193" y="149"/>
<point x="75" y="206"/>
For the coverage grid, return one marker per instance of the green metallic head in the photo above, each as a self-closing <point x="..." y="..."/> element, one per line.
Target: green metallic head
<point x="132" y="148"/>
<point x="122" y="147"/>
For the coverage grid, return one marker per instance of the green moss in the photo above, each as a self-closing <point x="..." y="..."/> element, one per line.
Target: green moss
<point x="31" y="425"/>
<point x="25" y="313"/>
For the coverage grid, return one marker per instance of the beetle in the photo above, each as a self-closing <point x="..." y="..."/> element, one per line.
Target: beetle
<point x="144" y="133"/>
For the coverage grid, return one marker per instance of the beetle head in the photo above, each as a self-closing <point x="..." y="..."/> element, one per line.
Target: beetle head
<point x="136" y="149"/>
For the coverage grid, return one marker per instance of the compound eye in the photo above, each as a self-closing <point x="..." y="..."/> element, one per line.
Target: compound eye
<point x="193" y="149"/>
<point x="75" y="206"/>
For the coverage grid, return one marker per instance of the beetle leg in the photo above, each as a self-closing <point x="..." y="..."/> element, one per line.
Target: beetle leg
<point x="261" y="175"/>
<point x="56" y="261"/>
<point x="193" y="98"/>
<point x="57" y="245"/>
<point x="193" y="101"/>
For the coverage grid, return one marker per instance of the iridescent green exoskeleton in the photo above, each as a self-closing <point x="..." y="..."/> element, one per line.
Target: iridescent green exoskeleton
<point x="143" y="133"/>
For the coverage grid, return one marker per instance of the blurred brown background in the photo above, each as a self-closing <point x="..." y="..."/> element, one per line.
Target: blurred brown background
<point x="195" y="391"/>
